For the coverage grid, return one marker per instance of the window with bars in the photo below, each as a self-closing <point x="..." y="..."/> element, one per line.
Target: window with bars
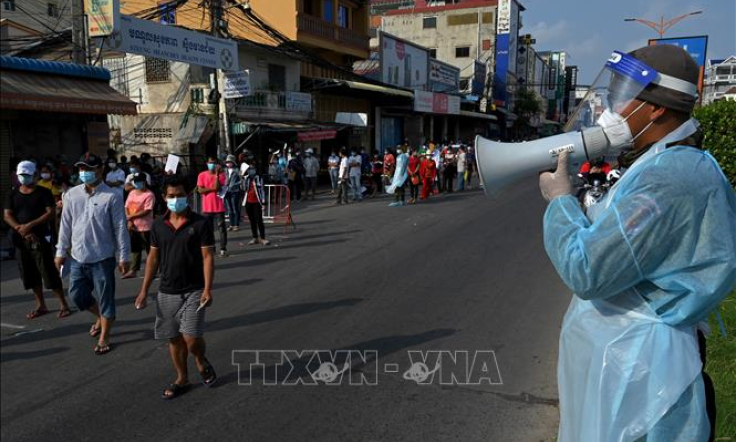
<point x="9" y="5"/>
<point x="157" y="70"/>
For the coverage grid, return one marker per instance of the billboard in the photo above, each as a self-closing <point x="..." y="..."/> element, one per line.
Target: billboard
<point x="237" y="84"/>
<point x="443" y="77"/>
<point x="145" y="37"/>
<point x="697" y="47"/>
<point x="507" y="30"/>
<point x="102" y="16"/>
<point x="436" y="103"/>
<point x="478" y="83"/>
<point x="403" y="64"/>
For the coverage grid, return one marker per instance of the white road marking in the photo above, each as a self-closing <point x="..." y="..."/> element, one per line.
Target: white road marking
<point x="17" y="327"/>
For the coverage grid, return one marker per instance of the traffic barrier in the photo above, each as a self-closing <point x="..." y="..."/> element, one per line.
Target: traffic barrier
<point x="277" y="207"/>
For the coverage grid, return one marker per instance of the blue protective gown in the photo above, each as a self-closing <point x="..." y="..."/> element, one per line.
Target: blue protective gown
<point x="647" y="264"/>
<point x="400" y="174"/>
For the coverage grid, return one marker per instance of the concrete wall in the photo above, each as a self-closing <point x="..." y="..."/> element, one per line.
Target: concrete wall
<point x="455" y="28"/>
<point x="257" y="61"/>
<point x="29" y="13"/>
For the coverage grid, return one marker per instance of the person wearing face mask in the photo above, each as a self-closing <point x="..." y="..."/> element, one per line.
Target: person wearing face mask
<point x="135" y="167"/>
<point x="139" y="208"/>
<point x="234" y="196"/>
<point x="399" y="179"/>
<point x="115" y="176"/>
<point x="209" y="185"/>
<point x="93" y="230"/>
<point x="647" y="265"/>
<point x="29" y="211"/>
<point x="182" y="245"/>
<point x="253" y="202"/>
<point x="311" y="170"/>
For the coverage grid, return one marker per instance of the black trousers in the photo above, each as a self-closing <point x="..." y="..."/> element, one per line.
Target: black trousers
<point x="448" y="177"/>
<point x="710" y="391"/>
<point x="217" y="222"/>
<point x="139" y="241"/>
<point x="413" y="189"/>
<point x="255" y="216"/>
<point x="342" y="191"/>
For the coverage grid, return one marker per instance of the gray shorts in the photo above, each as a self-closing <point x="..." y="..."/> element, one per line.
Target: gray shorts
<point x="177" y="315"/>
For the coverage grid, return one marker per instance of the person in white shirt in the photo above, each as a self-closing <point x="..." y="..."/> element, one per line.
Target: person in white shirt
<point x="461" y="168"/>
<point x="342" y="178"/>
<point x="115" y="177"/>
<point x="355" y="164"/>
<point x="311" y="170"/>
<point x="333" y="165"/>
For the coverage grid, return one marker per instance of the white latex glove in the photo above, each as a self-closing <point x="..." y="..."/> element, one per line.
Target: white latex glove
<point x="558" y="183"/>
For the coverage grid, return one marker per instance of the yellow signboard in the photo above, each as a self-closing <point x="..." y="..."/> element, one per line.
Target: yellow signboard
<point x="101" y="16"/>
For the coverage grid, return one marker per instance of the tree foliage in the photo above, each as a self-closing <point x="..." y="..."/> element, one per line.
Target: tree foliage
<point x="718" y="123"/>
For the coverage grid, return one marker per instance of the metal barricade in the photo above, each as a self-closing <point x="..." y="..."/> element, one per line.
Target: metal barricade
<point x="277" y="207"/>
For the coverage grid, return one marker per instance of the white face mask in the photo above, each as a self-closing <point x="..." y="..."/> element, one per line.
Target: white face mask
<point x="616" y="128"/>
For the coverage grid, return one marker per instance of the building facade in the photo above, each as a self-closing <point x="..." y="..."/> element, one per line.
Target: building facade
<point x="720" y="77"/>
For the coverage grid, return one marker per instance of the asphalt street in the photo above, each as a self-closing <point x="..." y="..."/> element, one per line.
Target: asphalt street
<point x="461" y="274"/>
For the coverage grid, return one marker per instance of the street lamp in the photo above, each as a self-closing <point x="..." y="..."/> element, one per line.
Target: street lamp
<point x="663" y="26"/>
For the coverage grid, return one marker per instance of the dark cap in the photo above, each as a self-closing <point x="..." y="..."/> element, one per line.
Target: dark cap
<point x="139" y="177"/>
<point x="89" y="160"/>
<point x="673" y="61"/>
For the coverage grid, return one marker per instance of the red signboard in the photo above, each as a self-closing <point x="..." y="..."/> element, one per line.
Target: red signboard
<point x="317" y="135"/>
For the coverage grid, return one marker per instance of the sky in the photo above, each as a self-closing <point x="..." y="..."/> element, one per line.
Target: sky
<point x="588" y="30"/>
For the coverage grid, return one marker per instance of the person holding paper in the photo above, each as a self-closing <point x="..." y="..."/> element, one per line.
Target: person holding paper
<point x="210" y="185"/>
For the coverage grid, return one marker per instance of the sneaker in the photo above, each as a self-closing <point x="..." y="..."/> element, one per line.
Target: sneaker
<point x="253" y="242"/>
<point x="223" y="254"/>
<point x="229" y="229"/>
<point x="394" y="204"/>
<point x="265" y="242"/>
<point x="236" y="228"/>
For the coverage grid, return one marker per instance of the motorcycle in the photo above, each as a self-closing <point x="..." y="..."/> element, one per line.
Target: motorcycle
<point x="593" y="189"/>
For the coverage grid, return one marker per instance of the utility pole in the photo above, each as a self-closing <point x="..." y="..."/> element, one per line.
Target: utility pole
<point x="217" y="25"/>
<point x="79" y="32"/>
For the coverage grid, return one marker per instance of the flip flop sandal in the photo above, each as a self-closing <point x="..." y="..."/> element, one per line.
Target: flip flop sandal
<point x="95" y="330"/>
<point x="209" y="377"/>
<point x="175" y="391"/>
<point x="102" y="349"/>
<point x="35" y="313"/>
<point x="63" y="313"/>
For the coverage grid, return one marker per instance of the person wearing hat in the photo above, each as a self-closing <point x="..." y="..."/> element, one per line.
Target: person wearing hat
<point x="29" y="211"/>
<point x="93" y="230"/>
<point x="647" y="265"/>
<point x="311" y="170"/>
<point x="139" y="209"/>
<point x="234" y="195"/>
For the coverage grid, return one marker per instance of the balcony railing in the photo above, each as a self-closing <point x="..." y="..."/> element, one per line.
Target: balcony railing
<point x="329" y="31"/>
<point x="292" y="102"/>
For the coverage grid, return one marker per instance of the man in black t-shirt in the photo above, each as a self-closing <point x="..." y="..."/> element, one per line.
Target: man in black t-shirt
<point x="182" y="244"/>
<point x="29" y="211"/>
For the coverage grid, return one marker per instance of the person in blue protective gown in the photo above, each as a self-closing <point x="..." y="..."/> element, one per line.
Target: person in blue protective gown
<point x="398" y="182"/>
<point x="647" y="265"/>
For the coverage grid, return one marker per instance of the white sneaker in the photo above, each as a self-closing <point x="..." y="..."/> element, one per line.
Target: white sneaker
<point x="223" y="254"/>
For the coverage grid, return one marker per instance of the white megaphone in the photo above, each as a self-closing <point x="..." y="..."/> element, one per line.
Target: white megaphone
<point x="502" y="164"/>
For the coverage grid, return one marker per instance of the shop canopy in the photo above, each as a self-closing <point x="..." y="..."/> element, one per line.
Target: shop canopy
<point x="52" y="86"/>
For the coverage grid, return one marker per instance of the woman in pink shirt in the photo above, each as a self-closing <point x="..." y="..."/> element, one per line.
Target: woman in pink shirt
<point x="139" y="209"/>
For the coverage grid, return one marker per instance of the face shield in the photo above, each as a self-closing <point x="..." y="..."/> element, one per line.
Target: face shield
<point x="622" y="79"/>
